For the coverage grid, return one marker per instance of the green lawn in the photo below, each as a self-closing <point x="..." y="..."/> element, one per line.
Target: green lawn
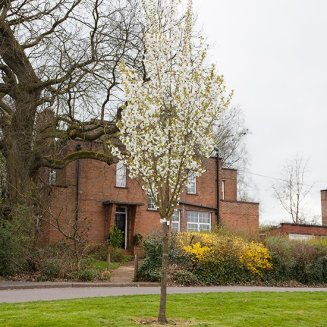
<point x="213" y="309"/>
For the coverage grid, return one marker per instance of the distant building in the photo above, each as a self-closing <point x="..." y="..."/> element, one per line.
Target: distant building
<point x="304" y="231"/>
<point x="105" y="195"/>
<point x="323" y="207"/>
<point x="299" y="231"/>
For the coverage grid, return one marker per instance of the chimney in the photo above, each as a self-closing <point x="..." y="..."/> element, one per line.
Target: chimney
<point x="324" y="207"/>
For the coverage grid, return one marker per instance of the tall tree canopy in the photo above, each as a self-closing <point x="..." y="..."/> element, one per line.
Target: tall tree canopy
<point x="59" y="79"/>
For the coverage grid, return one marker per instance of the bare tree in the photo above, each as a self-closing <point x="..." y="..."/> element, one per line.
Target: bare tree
<point x="74" y="233"/>
<point x="291" y="190"/>
<point x="59" y="80"/>
<point x="230" y="135"/>
<point x="230" y="143"/>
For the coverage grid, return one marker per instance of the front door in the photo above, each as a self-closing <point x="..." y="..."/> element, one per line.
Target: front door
<point x="121" y="223"/>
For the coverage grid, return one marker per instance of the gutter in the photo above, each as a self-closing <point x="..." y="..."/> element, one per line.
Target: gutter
<point x="217" y="188"/>
<point x="78" y="169"/>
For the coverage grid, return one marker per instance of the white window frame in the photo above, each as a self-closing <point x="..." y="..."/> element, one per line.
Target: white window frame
<point x="52" y="177"/>
<point x="198" y="223"/>
<point x="120" y="174"/>
<point x="191" y="183"/>
<point x="176" y="221"/>
<point x="151" y="204"/>
<point x="300" y="237"/>
<point x="223" y="189"/>
<point x="123" y="210"/>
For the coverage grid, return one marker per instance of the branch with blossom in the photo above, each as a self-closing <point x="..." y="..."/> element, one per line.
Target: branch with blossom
<point x="167" y="124"/>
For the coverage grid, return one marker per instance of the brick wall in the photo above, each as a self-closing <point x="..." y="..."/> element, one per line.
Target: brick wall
<point x="324" y="207"/>
<point x="205" y="186"/>
<point x="228" y="177"/>
<point x="240" y="216"/>
<point x="288" y="228"/>
<point x="96" y="187"/>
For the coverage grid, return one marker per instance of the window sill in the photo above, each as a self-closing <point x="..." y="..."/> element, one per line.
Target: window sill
<point x="121" y="187"/>
<point x="58" y="185"/>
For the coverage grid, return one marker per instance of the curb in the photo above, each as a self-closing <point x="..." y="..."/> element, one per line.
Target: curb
<point x="75" y="285"/>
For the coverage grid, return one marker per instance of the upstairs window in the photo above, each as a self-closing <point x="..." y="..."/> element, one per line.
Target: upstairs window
<point x="52" y="177"/>
<point x="191" y="183"/>
<point x="120" y="174"/>
<point x="151" y="203"/>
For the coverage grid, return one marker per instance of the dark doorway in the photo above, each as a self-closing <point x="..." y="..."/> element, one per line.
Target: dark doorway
<point x="121" y="223"/>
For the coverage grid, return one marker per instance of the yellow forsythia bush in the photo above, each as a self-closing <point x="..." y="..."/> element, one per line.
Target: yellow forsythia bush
<point x="213" y="247"/>
<point x="255" y="256"/>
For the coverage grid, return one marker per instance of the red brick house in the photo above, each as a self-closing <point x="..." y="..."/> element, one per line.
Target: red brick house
<point x="105" y="195"/>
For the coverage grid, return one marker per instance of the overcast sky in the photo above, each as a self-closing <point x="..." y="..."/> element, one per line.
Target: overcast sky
<point x="273" y="54"/>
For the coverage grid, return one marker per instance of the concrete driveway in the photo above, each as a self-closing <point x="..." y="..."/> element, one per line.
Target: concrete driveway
<point x="47" y="294"/>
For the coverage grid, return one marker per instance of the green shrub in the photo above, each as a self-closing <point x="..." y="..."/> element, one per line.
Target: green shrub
<point x="304" y="262"/>
<point x="283" y="261"/>
<point x="137" y="239"/>
<point x="87" y="275"/>
<point x="149" y="271"/>
<point x="99" y="251"/>
<point x="50" y="269"/>
<point x="222" y="258"/>
<point x="116" y="237"/>
<point x="9" y="251"/>
<point x="212" y="259"/>
<point x="185" y="278"/>
<point x="151" y="267"/>
<point x="17" y="236"/>
<point x="320" y="244"/>
<point x="118" y="255"/>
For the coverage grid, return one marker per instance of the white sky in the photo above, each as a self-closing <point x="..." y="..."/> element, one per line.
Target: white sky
<point x="273" y="54"/>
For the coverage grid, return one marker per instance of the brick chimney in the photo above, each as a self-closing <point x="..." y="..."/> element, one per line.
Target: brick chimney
<point x="324" y="207"/>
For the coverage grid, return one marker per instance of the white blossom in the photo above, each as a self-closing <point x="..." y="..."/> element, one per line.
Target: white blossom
<point x="167" y="124"/>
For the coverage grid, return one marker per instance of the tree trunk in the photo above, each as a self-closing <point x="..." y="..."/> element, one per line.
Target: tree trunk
<point x="19" y="151"/>
<point x="18" y="178"/>
<point x="163" y="290"/>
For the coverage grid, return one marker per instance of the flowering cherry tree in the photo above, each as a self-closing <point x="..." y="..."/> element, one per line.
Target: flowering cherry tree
<point x="167" y="123"/>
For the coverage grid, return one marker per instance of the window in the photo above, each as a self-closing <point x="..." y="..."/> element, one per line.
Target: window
<point x="120" y="174"/>
<point x="300" y="237"/>
<point x="223" y="190"/>
<point x="198" y="221"/>
<point x="151" y="204"/>
<point x="176" y="221"/>
<point x="52" y="177"/>
<point x="191" y="183"/>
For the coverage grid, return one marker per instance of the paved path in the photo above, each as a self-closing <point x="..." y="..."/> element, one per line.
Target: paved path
<point x="26" y="295"/>
<point x="123" y="274"/>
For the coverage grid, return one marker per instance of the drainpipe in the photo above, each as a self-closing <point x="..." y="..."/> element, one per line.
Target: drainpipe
<point x="78" y="168"/>
<point x="217" y="187"/>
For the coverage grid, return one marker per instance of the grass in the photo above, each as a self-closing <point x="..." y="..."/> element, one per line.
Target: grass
<point x="289" y="309"/>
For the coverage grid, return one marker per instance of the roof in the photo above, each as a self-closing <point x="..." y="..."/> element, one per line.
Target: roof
<point x="107" y="202"/>
<point x="304" y="225"/>
<point x="197" y="205"/>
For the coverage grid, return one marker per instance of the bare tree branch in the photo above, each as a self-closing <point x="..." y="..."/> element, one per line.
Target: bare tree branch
<point x="292" y="191"/>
